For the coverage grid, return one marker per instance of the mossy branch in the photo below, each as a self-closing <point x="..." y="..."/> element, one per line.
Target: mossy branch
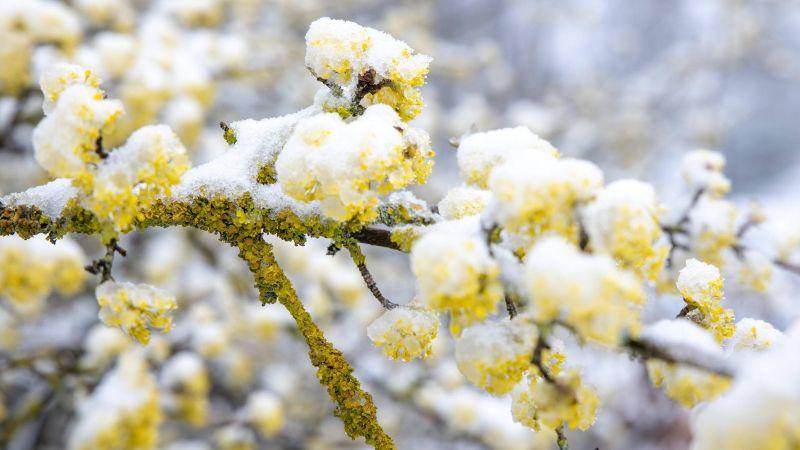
<point x="242" y="225"/>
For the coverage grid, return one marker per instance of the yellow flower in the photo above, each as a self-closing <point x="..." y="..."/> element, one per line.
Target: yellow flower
<point x="701" y="287"/>
<point x="686" y="385"/>
<point x="539" y="404"/>
<point x="404" y="332"/>
<point x="136" y="308"/>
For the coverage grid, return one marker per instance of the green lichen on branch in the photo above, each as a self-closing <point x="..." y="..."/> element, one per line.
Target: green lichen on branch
<point x="240" y="224"/>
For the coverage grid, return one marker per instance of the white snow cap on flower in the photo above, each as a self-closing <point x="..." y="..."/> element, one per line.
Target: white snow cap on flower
<point x="479" y="153"/>
<point x="102" y="344"/>
<point x="702" y="170"/>
<point x="696" y="278"/>
<point x="265" y="411"/>
<point x="404" y="332"/>
<point x="340" y="51"/>
<point x="58" y="77"/>
<point x="601" y="217"/>
<point x="348" y="165"/>
<point x="135" y="308"/>
<point x="462" y="201"/>
<point x="180" y="368"/>
<point x="761" y="407"/>
<point x="495" y="355"/>
<point x="754" y="334"/>
<point x="589" y="292"/>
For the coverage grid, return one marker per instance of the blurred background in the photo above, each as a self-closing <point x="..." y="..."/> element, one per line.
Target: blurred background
<point x="632" y="86"/>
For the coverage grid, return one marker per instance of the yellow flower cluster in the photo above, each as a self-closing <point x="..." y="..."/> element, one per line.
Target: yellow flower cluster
<point x="235" y="437"/>
<point x="347" y="54"/>
<point x="456" y="274"/>
<point x="702" y="170"/>
<point x="185" y="379"/>
<point x="123" y="412"/>
<point x="713" y="228"/>
<point x="495" y="355"/>
<point x="135" y="308"/>
<point x="405" y="332"/>
<point x="265" y="413"/>
<point x="623" y="221"/>
<point x="135" y="175"/>
<point x="463" y="201"/>
<point x="539" y="404"/>
<point x="30" y="270"/>
<point x="701" y="287"/>
<point x="102" y="345"/>
<point x="347" y="166"/>
<point x="686" y="385"/>
<point x="537" y="193"/>
<point x="754" y="334"/>
<point x="589" y="293"/>
<point x="24" y="25"/>
<point x="76" y="116"/>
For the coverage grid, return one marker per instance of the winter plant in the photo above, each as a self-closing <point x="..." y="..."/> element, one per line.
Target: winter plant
<point x="532" y="249"/>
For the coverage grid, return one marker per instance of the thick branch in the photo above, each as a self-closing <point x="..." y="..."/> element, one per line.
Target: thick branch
<point x="648" y="349"/>
<point x="376" y="237"/>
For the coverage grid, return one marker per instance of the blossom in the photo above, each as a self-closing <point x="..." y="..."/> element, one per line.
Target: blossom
<point x="495" y="355"/>
<point x="712" y="229"/>
<point x="684" y="384"/>
<point x="347" y="166"/>
<point x="479" y="153"/>
<point x="136" y="174"/>
<point x="102" y="345"/>
<point x="754" y="334"/>
<point x="235" y="437"/>
<point x="404" y="332"/>
<point x="122" y="412"/>
<point x="185" y="381"/>
<point x="701" y="287"/>
<point x="265" y="412"/>
<point x="536" y="193"/>
<point x="455" y="273"/>
<point x="600" y="301"/>
<point x="346" y="54"/>
<point x="136" y="308"/>
<point x="702" y="170"/>
<point x="65" y="141"/>
<point x="463" y="201"/>
<point x="623" y="221"/>
<point x="540" y="404"/>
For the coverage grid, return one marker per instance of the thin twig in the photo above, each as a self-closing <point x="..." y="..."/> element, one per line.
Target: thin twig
<point x="376" y="237"/>
<point x="358" y="258"/>
<point x="561" y="438"/>
<point x="103" y="265"/>
<point x="647" y="349"/>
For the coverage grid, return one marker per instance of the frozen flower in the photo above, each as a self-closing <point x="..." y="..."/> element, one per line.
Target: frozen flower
<point x="235" y="437"/>
<point x="136" y="174"/>
<point x="347" y="54"/>
<point x="135" y="308"/>
<point x="712" y="229"/>
<point x="455" y="273"/>
<point x="540" y="404"/>
<point x="122" y="412"/>
<point x="264" y="411"/>
<point x="186" y="385"/>
<point x="479" y="153"/>
<point x="66" y="140"/>
<point x="623" y="221"/>
<point x="537" y="193"/>
<point x="600" y="301"/>
<point x="701" y="287"/>
<point x="102" y="345"/>
<point x="59" y="77"/>
<point x="209" y="336"/>
<point x="702" y="170"/>
<point x="754" y="334"/>
<point x="404" y="332"/>
<point x="495" y="355"/>
<point x="684" y="384"/>
<point x="463" y="201"/>
<point x="347" y="166"/>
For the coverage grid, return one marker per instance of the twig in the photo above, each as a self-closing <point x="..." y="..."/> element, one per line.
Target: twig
<point x="359" y="259"/>
<point x="561" y="438"/>
<point x="375" y="236"/>
<point x="647" y="349"/>
<point x="103" y="265"/>
<point x="511" y="307"/>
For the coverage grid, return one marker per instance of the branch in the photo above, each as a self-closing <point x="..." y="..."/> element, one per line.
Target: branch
<point x="648" y="349"/>
<point x="376" y="237"/>
<point x="360" y="260"/>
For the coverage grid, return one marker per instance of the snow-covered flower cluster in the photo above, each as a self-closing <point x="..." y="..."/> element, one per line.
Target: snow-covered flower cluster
<point x="456" y="274"/>
<point x="600" y="301"/>
<point x="347" y="166"/>
<point x="701" y="287"/>
<point x="122" y="412"/>
<point x="185" y="380"/>
<point x="135" y="308"/>
<point x="623" y="221"/>
<point x="265" y="411"/>
<point x="31" y="270"/>
<point x="702" y="170"/>
<point x="404" y="332"/>
<point x="495" y="355"/>
<point x="364" y="62"/>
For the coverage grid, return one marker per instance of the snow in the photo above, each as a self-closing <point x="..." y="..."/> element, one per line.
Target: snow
<point x="50" y="198"/>
<point x="681" y="334"/>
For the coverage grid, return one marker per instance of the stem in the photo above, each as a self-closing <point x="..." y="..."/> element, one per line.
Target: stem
<point x="360" y="260"/>
<point x="561" y="439"/>
<point x="353" y="405"/>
